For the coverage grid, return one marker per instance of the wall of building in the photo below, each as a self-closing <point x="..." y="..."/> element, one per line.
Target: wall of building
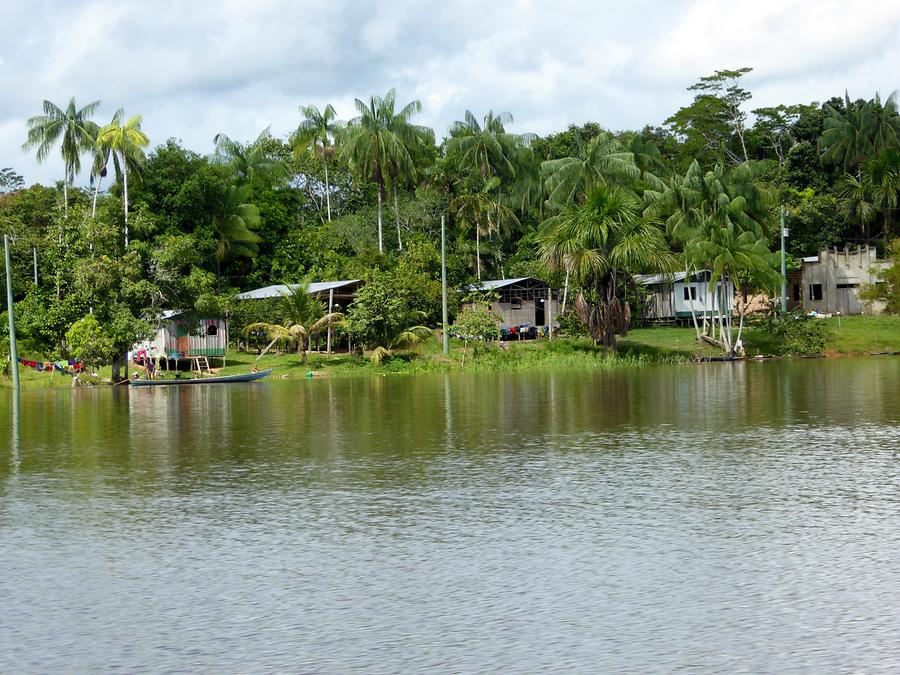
<point x="831" y="281"/>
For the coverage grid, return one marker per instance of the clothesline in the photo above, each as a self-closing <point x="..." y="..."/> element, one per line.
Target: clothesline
<point x="69" y="367"/>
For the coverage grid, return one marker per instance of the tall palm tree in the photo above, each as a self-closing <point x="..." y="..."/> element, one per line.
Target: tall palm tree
<point x="248" y="161"/>
<point x="302" y="317"/>
<point x="602" y="160"/>
<point x="318" y="132"/>
<point x="126" y="142"/>
<point x="721" y="218"/>
<point x="234" y="222"/>
<point x="72" y="128"/>
<point x="377" y="144"/>
<point x="881" y="176"/>
<point x="484" y="213"/>
<point x="602" y="242"/>
<point x="486" y="150"/>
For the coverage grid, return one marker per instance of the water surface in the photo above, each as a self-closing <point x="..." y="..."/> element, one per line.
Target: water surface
<point x="724" y="517"/>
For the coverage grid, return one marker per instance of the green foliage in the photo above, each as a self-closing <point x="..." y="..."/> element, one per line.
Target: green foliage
<point x="89" y="342"/>
<point x="799" y="334"/>
<point x="477" y="323"/>
<point x="887" y="289"/>
<point x="10" y="181"/>
<point x="384" y="308"/>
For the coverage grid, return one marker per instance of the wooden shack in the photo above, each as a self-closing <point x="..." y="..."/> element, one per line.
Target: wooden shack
<point x="181" y="336"/>
<point x="522" y="302"/>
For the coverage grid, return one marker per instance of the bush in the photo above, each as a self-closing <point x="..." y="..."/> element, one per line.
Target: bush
<point x="799" y="334"/>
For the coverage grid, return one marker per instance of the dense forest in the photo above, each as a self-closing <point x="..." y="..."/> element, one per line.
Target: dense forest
<point x="131" y="229"/>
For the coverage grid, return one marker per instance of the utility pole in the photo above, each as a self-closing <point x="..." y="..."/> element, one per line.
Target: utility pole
<point x="446" y="325"/>
<point x="784" y="233"/>
<point x="13" y="353"/>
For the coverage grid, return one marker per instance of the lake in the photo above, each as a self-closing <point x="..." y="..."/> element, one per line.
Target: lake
<point x="694" y="518"/>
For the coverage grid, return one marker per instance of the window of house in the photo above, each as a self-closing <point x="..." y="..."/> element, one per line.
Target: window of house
<point x="515" y="303"/>
<point x="797" y="293"/>
<point x="848" y="285"/>
<point x="815" y="291"/>
<point x="690" y="293"/>
<point x="212" y="329"/>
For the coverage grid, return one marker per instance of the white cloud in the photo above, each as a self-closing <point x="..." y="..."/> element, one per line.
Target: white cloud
<point x="195" y="69"/>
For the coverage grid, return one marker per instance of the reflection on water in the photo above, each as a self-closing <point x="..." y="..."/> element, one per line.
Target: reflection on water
<point x="720" y="517"/>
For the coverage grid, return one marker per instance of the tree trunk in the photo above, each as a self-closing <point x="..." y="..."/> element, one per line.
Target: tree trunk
<point x="687" y="279"/>
<point x="397" y="215"/>
<point x="478" y="251"/>
<point x="380" y="198"/>
<point x="125" y="187"/>
<point x="66" y="195"/>
<point x="327" y="192"/>
<point x="565" y="293"/>
<point x="94" y="204"/>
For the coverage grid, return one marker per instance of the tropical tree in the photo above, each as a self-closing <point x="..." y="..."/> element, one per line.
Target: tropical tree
<point x="720" y="217"/>
<point x="302" y="317"/>
<point x="125" y="142"/>
<point x="859" y="130"/>
<point x="600" y="161"/>
<point x="377" y="144"/>
<point x="602" y="242"/>
<point x="317" y="133"/>
<point x="233" y="223"/>
<point x="481" y="211"/>
<point x="248" y="161"/>
<point x="384" y="318"/>
<point x="486" y="150"/>
<point x="72" y="128"/>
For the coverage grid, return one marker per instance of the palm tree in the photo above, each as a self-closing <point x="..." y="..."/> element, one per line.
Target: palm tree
<point x="481" y="211"/>
<point x="720" y="216"/>
<point x="317" y="132"/>
<point x="72" y="128"/>
<point x="859" y="131"/>
<point x="250" y="161"/>
<point x="601" y="161"/>
<point x="234" y="222"/>
<point x="485" y="150"/>
<point x="302" y="315"/>
<point x="855" y="201"/>
<point x="881" y="176"/>
<point x="126" y="142"/>
<point x="377" y="144"/>
<point x="601" y="242"/>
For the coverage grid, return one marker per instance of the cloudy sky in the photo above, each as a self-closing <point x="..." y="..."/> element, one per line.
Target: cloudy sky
<point x="193" y="69"/>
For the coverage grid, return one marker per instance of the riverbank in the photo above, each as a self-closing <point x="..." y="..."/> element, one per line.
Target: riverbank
<point x="850" y="336"/>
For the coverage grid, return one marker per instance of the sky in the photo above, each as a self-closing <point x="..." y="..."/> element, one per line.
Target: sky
<point x="195" y="69"/>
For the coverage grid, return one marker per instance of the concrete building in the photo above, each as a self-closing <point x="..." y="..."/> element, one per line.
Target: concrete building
<point x="830" y="281"/>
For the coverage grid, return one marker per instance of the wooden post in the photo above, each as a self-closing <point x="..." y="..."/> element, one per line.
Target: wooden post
<point x="330" y="309"/>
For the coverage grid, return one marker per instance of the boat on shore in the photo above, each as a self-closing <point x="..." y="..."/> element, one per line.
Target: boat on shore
<point x="221" y="379"/>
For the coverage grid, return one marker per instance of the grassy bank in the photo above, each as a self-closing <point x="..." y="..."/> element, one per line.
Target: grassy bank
<point x="849" y="336"/>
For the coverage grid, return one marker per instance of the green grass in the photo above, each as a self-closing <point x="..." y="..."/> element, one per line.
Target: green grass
<point x="850" y="336"/>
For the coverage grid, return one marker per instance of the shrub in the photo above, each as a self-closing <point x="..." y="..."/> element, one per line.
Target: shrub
<point x="799" y="334"/>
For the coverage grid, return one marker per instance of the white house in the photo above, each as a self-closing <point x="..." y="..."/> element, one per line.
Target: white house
<point x="669" y="296"/>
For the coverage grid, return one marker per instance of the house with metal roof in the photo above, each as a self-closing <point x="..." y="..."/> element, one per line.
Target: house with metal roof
<point x="333" y="291"/>
<point x="669" y="297"/>
<point x="521" y="303"/>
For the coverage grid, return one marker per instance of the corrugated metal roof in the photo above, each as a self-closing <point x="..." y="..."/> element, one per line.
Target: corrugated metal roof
<point x="491" y="284"/>
<point x="278" y="290"/>
<point x="652" y="279"/>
